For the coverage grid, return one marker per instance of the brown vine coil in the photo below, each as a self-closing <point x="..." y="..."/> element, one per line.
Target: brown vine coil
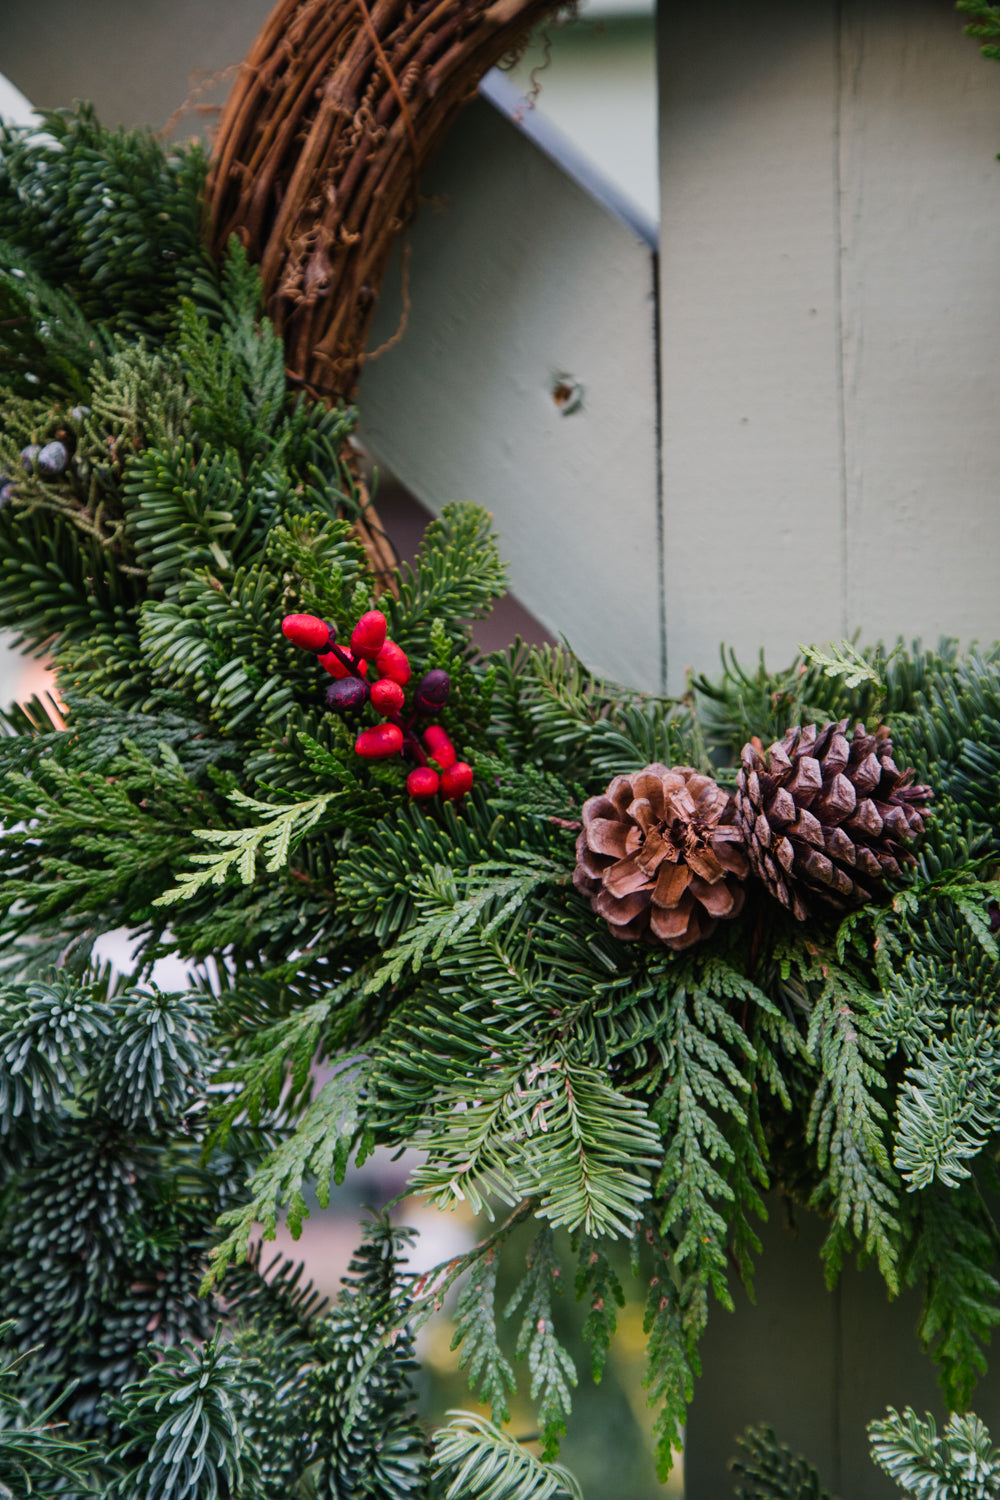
<point x="321" y="144"/>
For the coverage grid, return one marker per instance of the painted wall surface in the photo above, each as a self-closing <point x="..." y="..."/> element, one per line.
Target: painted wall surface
<point x="815" y="1365"/>
<point x="830" y="218"/>
<point x="526" y="381"/>
<point x="136" y="60"/>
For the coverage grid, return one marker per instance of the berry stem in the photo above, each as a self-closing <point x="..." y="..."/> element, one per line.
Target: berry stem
<point x="350" y="662"/>
<point x="412" y="747"/>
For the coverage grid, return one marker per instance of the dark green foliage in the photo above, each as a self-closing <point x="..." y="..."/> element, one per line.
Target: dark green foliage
<point x="37" y="1455"/>
<point x="435" y="962"/>
<point x="359" y="1392"/>
<point x="183" y="1426"/>
<point x="552" y="1371"/>
<point x="766" y="1470"/>
<point x="107" y="217"/>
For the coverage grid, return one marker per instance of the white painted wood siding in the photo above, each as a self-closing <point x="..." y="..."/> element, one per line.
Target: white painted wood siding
<point x="522" y="281"/>
<point x="830" y="325"/>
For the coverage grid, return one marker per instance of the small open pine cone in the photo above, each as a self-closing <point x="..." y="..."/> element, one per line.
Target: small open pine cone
<point x="826" y="817"/>
<point x="660" y="856"/>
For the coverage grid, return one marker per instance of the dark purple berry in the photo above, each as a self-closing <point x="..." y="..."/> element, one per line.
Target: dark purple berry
<point x="348" y="694"/>
<point x="6" y="493"/>
<point x="78" y="413"/>
<point x="432" y="691"/>
<point x="29" y="456"/>
<point x="53" y="459"/>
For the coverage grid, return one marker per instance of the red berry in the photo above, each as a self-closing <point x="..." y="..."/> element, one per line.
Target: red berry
<point x="336" y="668"/>
<point x="439" y="747"/>
<point x="307" y="631"/>
<point x="393" y="662"/>
<point x="456" y="781"/>
<point x="422" y="783"/>
<point x="368" y="635"/>
<point x="387" y="696"/>
<point x="379" y="742"/>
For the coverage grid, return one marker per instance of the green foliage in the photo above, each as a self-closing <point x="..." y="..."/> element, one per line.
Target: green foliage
<point x="183" y="1426"/>
<point x="985" y="25"/>
<point x="489" y="1374"/>
<point x="958" y="1464"/>
<point x="952" y="1257"/>
<point x="37" y="1455"/>
<point x="847" y="1118"/>
<point x="318" y="1149"/>
<point x="845" y="661"/>
<point x="474" y="1460"/>
<point x="767" y="1470"/>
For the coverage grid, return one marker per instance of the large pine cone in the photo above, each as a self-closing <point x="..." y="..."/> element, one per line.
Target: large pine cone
<point x="826" y="817"/>
<point x="660" y="855"/>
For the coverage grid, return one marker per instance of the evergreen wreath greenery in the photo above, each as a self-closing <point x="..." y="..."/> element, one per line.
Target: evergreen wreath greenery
<point x="190" y="786"/>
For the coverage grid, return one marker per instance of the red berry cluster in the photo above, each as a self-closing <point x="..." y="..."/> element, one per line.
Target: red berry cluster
<point x="351" y="690"/>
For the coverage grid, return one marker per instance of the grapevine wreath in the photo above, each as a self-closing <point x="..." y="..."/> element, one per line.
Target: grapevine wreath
<point x="617" y="964"/>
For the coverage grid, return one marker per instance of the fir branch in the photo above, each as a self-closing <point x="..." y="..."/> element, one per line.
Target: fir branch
<point x="48" y="1033"/>
<point x="157" y="1068"/>
<point x="554" y="1129"/>
<point x="959" y="1464"/>
<point x="949" y="1102"/>
<point x="457" y="575"/>
<point x="496" y="889"/>
<point x="184" y="1425"/>
<point x="984" y="26"/>
<point x="768" y="1470"/>
<point x="477" y="1461"/>
<point x="952" y="1257"/>
<point x="37" y="1452"/>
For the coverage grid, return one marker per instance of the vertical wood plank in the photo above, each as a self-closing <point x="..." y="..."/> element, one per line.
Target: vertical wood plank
<point x="921" y="234"/>
<point x="774" y="1360"/>
<point x="818" y="1366"/>
<point x="752" y="453"/>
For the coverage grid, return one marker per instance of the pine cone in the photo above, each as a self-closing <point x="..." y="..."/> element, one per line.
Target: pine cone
<point x="825" y="818"/>
<point x="661" y="857"/>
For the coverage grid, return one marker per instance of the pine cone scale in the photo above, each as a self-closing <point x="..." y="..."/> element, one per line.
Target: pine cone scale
<point x="673" y="926"/>
<point x="607" y="837"/>
<point x="625" y="876"/>
<point x="671" y="883"/>
<point x="620" y="911"/>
